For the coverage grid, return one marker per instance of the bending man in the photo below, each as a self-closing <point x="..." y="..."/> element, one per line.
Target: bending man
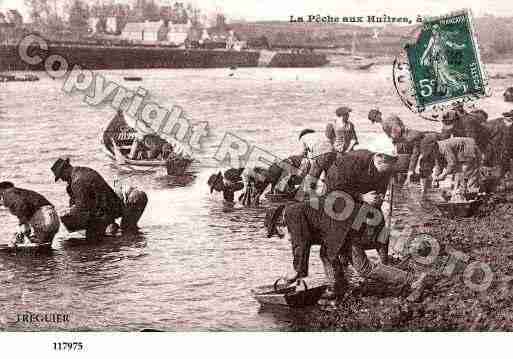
<point x="92" y="201"/>
<point x="38" y="220"/>
<point x="456" y="155"/>
<point x="344" y="221"/>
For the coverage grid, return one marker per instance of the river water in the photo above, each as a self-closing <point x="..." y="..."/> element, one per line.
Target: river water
<point x="194" y="263"/>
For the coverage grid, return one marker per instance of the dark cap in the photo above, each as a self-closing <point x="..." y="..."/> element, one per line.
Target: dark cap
<point x="374" y="114"/>
<point x="306" y="131"/>
<point x="214" y="179"/>
<point x="480" y="115"/>
<point x="6" y="185"/>
<point x="233" y="174"/>
<point x="59" y="166"/>
<point x="341" y="111"/>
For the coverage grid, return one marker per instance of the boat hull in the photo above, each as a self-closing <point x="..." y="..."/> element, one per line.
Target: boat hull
<point x="121" y="160"/>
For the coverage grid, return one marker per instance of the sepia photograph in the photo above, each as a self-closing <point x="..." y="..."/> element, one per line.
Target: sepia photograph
<point x="255" y="166"/>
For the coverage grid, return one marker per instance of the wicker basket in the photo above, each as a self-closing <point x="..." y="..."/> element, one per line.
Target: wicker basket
<point x="273" y="295"/>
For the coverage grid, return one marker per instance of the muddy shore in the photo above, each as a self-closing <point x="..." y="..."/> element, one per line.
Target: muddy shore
<point x="449" y="303"/>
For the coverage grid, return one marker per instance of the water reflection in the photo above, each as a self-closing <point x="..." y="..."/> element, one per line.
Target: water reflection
<point x="176" y="181"/>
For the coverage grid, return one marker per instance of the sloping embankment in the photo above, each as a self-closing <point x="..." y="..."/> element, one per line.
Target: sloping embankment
<point x="449" y="304"/>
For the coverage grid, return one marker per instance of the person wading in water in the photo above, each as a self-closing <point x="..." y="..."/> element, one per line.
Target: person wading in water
<point x="38" y="220"/>
<point x="93" y="202"/>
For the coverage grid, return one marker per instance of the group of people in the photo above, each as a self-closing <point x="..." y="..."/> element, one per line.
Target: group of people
<point x="286" y="176"/>
<point x="94" y="206"/>
<point x="151" y="147"/>
<point x="467" y="142"/>
<point x="330" y="165"/>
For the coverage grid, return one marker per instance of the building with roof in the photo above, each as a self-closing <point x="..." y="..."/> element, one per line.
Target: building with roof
<point x="178" y="33"/>
<point x="148" y="31"/>
<point x="14" y="17"/>
<point x="156" y="32"/>
<point x="111" y="25"/>
<point x="11" y="17"/>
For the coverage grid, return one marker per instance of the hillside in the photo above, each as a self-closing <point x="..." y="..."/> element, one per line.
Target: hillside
<point x="495" y="35"/>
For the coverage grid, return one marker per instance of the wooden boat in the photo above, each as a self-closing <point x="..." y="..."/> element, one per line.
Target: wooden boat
<point x="132" y="78"/>
<point x="365" y="66"/>
<point x="275" y="295"/>
<point x="117" y="141"/>
<point x="355" y="62"/>
<point x="14" y="78"/>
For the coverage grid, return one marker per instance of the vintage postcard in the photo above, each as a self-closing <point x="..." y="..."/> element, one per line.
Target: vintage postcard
<point x="226" y="166"/>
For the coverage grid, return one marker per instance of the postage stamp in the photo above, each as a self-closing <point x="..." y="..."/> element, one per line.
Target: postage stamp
<point x="444" y="62"/>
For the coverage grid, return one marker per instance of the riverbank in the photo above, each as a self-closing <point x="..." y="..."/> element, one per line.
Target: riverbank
<point x="449" y="304"/>
<point x="99" y="57"/>
<point x="333" y="56"/>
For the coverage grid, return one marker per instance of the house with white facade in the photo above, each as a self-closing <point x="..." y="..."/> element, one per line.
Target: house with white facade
<point x="148" y="31"/>
<point x="178" y="33"/>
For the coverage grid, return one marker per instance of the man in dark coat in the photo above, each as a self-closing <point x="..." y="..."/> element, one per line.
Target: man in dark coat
<point x="496" y="150"/>
<point x="38" y="220"/>
<point x="459" y="123"/>
<point x="92" y="201"/>
<point x="491" y="136"/>
<point x="339" y="221"/>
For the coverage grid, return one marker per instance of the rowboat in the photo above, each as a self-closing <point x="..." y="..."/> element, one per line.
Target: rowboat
<point x="356" y="62"/>
<point x="132" y="78"/>
<point x="14" y="78"/>
<point x="118" y="140"/>
<point x="364" y="66"/>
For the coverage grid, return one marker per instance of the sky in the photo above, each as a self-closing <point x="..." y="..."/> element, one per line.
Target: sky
<point x="255" y="10"/>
